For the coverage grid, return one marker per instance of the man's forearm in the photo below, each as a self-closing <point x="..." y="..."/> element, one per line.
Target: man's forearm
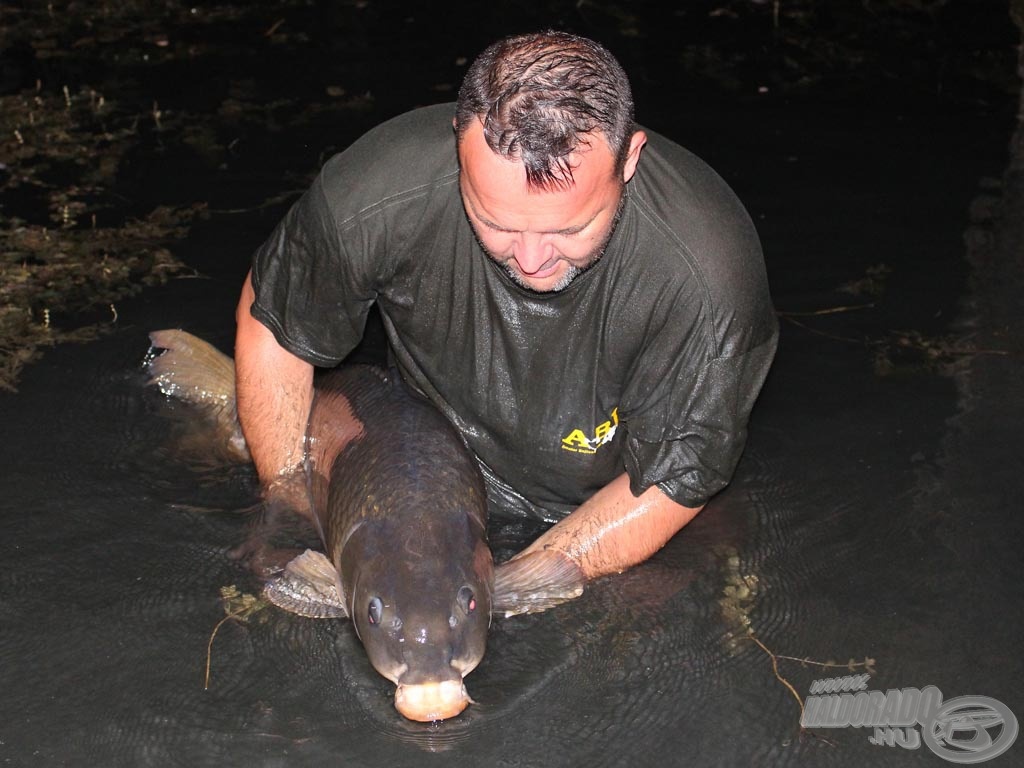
<point x="274" y="390"/>
<point x="615" y="530"/>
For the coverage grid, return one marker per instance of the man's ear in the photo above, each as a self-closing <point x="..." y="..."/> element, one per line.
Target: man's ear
<point x="636" y="143"/>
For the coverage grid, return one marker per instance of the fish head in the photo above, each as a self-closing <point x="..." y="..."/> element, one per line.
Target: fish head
<point x="421" y="606"/>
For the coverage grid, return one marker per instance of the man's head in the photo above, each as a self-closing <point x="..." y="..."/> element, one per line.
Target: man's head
<point x="546" y="144"/>
<point x="541" y="96"/>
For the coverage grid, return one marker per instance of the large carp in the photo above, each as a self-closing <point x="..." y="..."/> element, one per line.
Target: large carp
<point x="400" y="507"/>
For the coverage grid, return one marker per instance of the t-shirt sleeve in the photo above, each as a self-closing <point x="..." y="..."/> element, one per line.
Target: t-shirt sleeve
<point x="314" y="287"/>
<point x="688" y="437"/>
<point x="711" y="338"/>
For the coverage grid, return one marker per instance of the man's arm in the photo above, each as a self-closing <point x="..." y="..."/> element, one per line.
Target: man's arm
<point x="274" y="390"/>
<point x="614" y="530"/>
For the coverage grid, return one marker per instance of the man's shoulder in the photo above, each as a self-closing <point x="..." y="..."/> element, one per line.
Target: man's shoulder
<point x="410" y="152"/>
<point x="697" y="229"/>
<point x="680" y="187"/>
<point x="683" y="200"/>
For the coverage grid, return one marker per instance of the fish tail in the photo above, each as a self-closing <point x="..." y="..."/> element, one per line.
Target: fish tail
<point x="195" y="371"/>
<point x="534" y="582"/>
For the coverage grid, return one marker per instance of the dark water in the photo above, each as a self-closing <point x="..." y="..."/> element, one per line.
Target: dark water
<point x="875" y="514"/>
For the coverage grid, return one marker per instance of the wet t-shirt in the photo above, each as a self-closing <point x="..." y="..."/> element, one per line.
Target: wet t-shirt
<point x="649" y="362"/>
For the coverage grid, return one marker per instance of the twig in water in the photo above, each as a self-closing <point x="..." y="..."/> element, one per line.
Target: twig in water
<point x="238" y="605"/>
<point x="826" y="311"/>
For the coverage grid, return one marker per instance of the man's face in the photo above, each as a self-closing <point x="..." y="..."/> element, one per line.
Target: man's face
<point x="543" y="238"/>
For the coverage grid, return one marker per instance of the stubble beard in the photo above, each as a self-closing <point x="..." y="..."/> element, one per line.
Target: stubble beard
<point x="574" y="270"/>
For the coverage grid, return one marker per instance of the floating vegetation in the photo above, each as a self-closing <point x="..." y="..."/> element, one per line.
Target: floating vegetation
<point x="872" y="284"/>
<point x="739" y="596"/>
<point x="239" y="606"/>
<point x="909" y="351"/>
<point x="898" y="351"/>
<point x="72" y="242"/>
<point x="914" y="351"/>
<point x="65" y="247"/>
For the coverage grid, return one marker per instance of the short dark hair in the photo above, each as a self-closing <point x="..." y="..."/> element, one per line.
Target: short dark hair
<point x="540" y="96"/>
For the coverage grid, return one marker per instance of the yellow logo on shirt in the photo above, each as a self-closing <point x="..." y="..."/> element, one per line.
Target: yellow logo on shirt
<point x="577" y="441"/>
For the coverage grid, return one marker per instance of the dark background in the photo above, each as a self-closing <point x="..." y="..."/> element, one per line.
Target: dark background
<point x="874" y="517"/>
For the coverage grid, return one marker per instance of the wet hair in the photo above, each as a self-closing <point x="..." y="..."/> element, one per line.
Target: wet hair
<point x="540" y="96"/>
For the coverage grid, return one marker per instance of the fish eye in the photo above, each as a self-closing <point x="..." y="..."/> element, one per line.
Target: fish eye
<point x="374" y="611"/>
<point x="467" y="600"/>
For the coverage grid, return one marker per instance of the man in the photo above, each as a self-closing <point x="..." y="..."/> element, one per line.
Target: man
<point x="585" y="301"/>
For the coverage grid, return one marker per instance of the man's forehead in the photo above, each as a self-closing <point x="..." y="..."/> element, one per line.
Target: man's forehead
<point x="496" y="192"/>
<point x="593" y="157"/>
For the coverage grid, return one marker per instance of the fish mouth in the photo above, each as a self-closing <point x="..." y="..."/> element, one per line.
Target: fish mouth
<point x="429" y="702"/>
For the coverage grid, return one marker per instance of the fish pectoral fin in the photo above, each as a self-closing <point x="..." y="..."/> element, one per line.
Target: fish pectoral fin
<point x="534" y="582"/>
<point x="308" y="587"/>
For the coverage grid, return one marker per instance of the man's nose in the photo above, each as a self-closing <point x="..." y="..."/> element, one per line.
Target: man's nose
<point x="532" y="252"/>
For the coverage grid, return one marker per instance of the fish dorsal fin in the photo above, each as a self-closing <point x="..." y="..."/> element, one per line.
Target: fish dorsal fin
<point x="534" y="582"/>
<point x="308" y="587"/>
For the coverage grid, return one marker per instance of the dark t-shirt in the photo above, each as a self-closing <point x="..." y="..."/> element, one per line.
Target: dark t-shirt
<point x="649" y="362"/>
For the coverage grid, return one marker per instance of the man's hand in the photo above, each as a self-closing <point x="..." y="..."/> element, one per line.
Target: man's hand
<point x="274" y="390"/>
<point x="614" y="529"/>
